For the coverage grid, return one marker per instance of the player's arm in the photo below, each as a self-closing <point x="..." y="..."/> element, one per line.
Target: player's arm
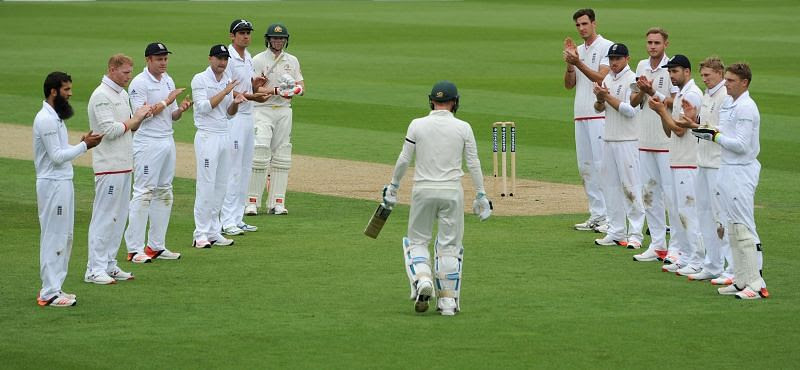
<point x="740" y="140"/>
<point x="667" y="123"/>
<point x="473" y="162"/>
<point x="569" y="77"/>
<point x="233" y="107"/>
<point x="103" y="110"/>
<point x="405" y="157"/>
<point x="48" y="132"/>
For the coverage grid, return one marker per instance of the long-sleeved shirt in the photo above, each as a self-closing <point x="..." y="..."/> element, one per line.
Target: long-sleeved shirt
<point x="440" y="142"/>
<point x="146" y="89"/>
<point x="52" y="154"/>
<point x="204" y="87"/>
<point x="739" y="122"/>
<point x="108" y="110"/>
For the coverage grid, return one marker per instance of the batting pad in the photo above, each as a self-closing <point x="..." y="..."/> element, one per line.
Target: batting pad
<point x="417" y="266"/>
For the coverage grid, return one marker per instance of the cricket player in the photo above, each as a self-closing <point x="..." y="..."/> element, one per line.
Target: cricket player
<point x="55" y="196"/>
<point x="621" y="185"/>
<point x="717" y="249"/>
<point x="240" y="68"/>
<point x="215" y="104"/>
<point x="683" y="165"/>
<point x="738" y="137"/>
<point x="273" y="122"/>
<point x="440" y="143"/>
<point x="656" y="178"/>
<point x="110" y="115"/>
<point x="153" y="157"/>
<point x="587" y="64"/>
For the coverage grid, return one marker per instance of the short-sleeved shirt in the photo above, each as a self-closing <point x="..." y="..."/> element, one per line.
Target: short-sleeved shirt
<point x="683" y="149"/>
<point x="52" y="154"/>
<point x="273" y="68"/>
<point x="204" y="87"/>
<point x="146" y="89"/>
<point x="108" y="110"/>
<point x="651" y="133"/>
<point x="241" y="69"/>
<point x="593" y="56"/>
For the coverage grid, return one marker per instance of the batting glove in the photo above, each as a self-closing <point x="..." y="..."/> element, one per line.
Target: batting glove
<point x="482" y="206"/>
<point x="705" y="133"/>
<point x="390" y="195"/>
<point x="287" y="79"/>
<point x="292" y="91"/>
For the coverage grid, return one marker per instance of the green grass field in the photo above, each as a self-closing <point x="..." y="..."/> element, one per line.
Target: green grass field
<point x="309" y="290"/>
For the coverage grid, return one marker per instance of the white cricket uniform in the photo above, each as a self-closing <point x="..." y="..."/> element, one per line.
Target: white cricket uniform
<point x="55" y="197"/>
<point x="708" y="207"/>
<point x="242" y="140"/>
<point x="683" y="163"/>
<point x="621" y="179"/>
<point x="589" y="125"/>
<point x="112" y="161"/>
<point x="440" y="142"/>
<point x="273" y="128"/>
<point x="153" y="164"/>
<point x="739" y="123"/>
<point x="656" y="177"/>
<point x="212" y="148"/>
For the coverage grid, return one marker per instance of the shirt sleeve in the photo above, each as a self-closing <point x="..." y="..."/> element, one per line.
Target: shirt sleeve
<point x="625" y="107"/>
<point x="202" y="104"/>
<point x="137" y="94"/>
<point x="48" y="131"/>
<point x="405" y="157"/>
<point x="103" y="110"/>
<point x="739" y="140"/>
<point x="298" y="75"/>
<point x="473" y="162"/>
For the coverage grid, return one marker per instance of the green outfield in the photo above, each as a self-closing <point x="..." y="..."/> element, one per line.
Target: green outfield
<point x="309" y="290"/>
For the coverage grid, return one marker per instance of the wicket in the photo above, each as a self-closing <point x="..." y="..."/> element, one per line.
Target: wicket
<point x="503" y="149"/>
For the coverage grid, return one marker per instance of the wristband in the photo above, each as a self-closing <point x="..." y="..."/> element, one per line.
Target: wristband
<point x="164" y="103"/>
<point x="275" y="90"/>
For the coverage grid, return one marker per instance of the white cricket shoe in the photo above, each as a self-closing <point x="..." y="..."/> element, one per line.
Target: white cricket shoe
<point x="634" y="244"/>
<point x="164" y="254"/>
<point x="222" y="241"/>
<point x="139" y="258"/>
<point x="200" y="244"/>
<point x="251" y="209"/>
<point x="609" y="241"/>
<point x="651" y="254"/>
<point x="688" y="270"/>
<point x="602" y="228"/>
<point x="590" y="224"/>
<point x="101" y="279"/>
<point x="58" y="300"/>
<point x="120" y="275"/>
<point x="279" y="209"/>
<point x="702" y="275"/>
<point x="424" y="293"/>
<point x="447" y="306"/>
<point x="748" y="293"/>
<point x="232" y="230"/>
<point x="722" y="280"/>
<point x="673" y="267"/>
<point x="67" y="295"/>
<point x="247" y="228"/>
<point x="728" y="290"/>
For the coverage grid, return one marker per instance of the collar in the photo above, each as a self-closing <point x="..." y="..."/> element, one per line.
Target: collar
<point x="153" y="78"/>
<point x="596" y="39"/>
<point x="664" y="60"/>
<point x="745" y="94"/>
<point x="113" y="85"/>
<point x="715" y="89"/>
<point x="50" y="110"/>
<point x="235" y="53"/>
<point x="213" y="78"/>
<point x="686" y="87"/>
<point x="441" y="112"/>
<point x="615" y="76"/>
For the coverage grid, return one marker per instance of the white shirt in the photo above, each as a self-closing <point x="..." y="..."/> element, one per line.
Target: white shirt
<point x="204" y="87"/>
<point x="273" y="67"/>
<point x="683" y="149"/>
<point x="651" y="134"/>
<point x="440" y="142"/>
<point x="108" y="110"/>
<point x="593" y="56"/>
<point x="620" y="125"/>
<point x="52" y="154"/>
<point x="241" y="69"/>
<point x="146" y="89"/>
<point x="708" y="152"/>
<point x="739" y="122"/>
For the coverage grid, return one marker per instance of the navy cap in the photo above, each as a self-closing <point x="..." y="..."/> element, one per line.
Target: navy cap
<point x="156" y="48"/>
<point x="679" y="60"/>
<point x="219" y="51"/>
<point x="241" y="25"/>
<point x="618" y="50"/>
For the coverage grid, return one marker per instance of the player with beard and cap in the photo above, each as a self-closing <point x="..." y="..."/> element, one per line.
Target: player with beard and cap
<point x="55" y="196"/>
<point x="240" y="68"/>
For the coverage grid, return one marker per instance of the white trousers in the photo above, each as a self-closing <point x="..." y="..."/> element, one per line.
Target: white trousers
<point x="272" y="128"/>
<point x="112" y="195"/>
<point x="56" y="202"/>
<point x="687" y="233"/>
<point x="737" y="188"/>
<point x="153" y="171"/>
<point x="656" y="194"/>
<point x="589" y="150"/>
<point x="622" y="190"/>
<point x="212" y="151"/>
<point x="717" y="250"/>
<point x="241" y="145"/>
